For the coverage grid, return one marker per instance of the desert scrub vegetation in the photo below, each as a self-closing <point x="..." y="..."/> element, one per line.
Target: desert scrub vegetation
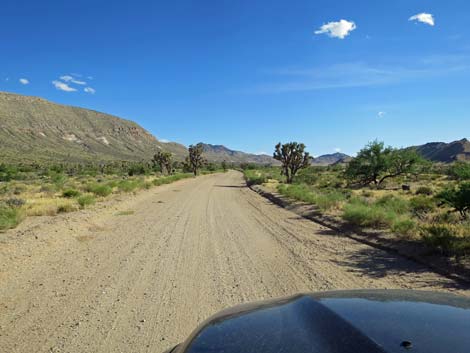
<point x="86" y="200"/>
<point x="324" y="199"/>
<point x="10" y="217"/>
<point x="385" y="189"/>
<point x="48" y="190"/>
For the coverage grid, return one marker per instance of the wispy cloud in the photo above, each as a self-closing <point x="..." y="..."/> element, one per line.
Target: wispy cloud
<point x="89" y="90"/>
<point x="62" y="86"/>
<point x="71" y="79"/>
<point x="340" y="29"/>
<point x="24" y="81"/>
<point x="381" y="114"/>
<point x="337" y="149"/>
<point x="361" y="74"/>
<point x="424" y="18"/>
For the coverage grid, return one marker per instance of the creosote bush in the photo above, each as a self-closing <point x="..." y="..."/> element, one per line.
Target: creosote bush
<point x="70" y="193"/>
<point x="9" y="217"/>
<point x="447" y="239"/>
<point x="86" y="200"/>
<point x="99" y="189"/>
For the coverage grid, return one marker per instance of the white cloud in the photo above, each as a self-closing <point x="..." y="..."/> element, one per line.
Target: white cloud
<point x="62" y="86"/>
<point x="164" y="141"/>
<point x="24" y="81"/>
<point x="340" y="29"/>
<point x="424" y="18"/>
<point x="71" y="79"/>
<point x="337" y="149"/>
<point x="381" y="114"/>
<point x="89" y="90"/>
<point x="262" y="153"/>
<point x="66" y="78"/>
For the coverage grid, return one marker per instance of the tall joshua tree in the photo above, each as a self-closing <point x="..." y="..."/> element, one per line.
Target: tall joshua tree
<point x="164" y="160"/>
<point x="195" y="160"/>
<point x="293" y="157"/>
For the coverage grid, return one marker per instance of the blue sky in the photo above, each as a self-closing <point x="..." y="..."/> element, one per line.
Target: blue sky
<point x="248" y="74"/>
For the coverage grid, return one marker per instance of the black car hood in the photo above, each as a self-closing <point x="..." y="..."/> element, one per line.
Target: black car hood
<point x="340" y="322"/>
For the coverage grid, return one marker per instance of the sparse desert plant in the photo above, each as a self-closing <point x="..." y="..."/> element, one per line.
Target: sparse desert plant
<point x="9" y="217"/>
<point x="15" y="202"/>
<point x="66" y="207"/>
<point x="254" y="177"/>
<point x="70" y="193"/>
<point x="421" y="204"/>
<point x="424" y="190"/>
<point x="293" y="157"/>
<point x="86" y="200"/>
<point x="447" y="239"/>
<point x="366" y="216"/>
<point x="129" y="185"/>
<point x="458" y="198"/>
<point x="393" y="203"/>
<point x="460" y="170"/>
<point x="99" y="189"/>
<point x="325" y="199"/>
<point x="404" y="226"/>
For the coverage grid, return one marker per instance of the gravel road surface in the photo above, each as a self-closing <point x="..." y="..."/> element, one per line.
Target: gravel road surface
<point x="138" y="273"/>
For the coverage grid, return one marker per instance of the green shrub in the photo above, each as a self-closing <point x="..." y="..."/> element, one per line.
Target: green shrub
<point x="86" y="200"/>
<point x="460" y="170"/>
<point x="458" y="198"/>
<point x="254" y="177"/>
<point x="404" y="226"/>
<point x="424" y="190"/>
<point x="365" y="215"/>
<point x="422" y="204"/>
<point x="447" y="239"/>
<point x="307" y="176"/>
<point x="171" y="178"/>
<point x="65" y="208"/>
<point x="58" y="178"/>
<point x="9" y="217"/>
<point x="99" y="189"/>
<point x="446" y="217"/>
<point x="325" y="199"/>
<point x="69" y="193"/>
<point x="19" y="189"/>
<point x="393" y="203"/>
<point x="129" y="185"/>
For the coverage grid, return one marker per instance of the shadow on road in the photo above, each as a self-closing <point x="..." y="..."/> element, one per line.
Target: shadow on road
<point x="231" y="186"/>
<point x="376" y="263"/>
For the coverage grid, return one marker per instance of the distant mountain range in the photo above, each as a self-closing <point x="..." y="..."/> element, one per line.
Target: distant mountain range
<point x="34" y="129"/>
<point x="445" y="152"/>
<point x="219" y="153"/>
<point x="329" y="159"/>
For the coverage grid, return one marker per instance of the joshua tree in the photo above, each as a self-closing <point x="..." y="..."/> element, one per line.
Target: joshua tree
<point x="293" y="157"/>
<point x="164" y="160"/>
<point x="224" y="165"/>
<point x="195" y="159"/>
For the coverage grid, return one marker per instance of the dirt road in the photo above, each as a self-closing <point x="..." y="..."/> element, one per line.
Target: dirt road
<point x="138" y="274"/>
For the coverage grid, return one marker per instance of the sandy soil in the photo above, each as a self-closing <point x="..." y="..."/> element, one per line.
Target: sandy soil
<point x="139" y="273"/>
